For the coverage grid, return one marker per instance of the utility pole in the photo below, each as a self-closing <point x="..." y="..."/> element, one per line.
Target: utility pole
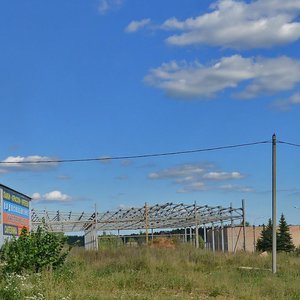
<point x="274" y="204"/>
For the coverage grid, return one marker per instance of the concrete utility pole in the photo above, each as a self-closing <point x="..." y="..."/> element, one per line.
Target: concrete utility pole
<point x="274" y="203"/>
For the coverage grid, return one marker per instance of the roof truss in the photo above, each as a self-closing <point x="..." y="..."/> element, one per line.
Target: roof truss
<point x="159" y="216"/>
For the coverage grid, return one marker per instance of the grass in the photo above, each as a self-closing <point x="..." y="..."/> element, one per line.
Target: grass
<point x="147" y="273"/>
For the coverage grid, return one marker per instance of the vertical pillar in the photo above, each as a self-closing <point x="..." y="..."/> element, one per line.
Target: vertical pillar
<point x="244" y="225"/>
<point x="274" y="254"/>
<point x="196" y="227"/>
<point x="222" y="236"/>
<point x="254" y="239"/>
<point x="191" y="235"/>
<point x="232" y="230"/>
<point x="213" y="237"/>
<point x="185" y="235"/>
<point x="204" y="235"/>
<point x="146" y="222"/>
<point x="96" y="228"/>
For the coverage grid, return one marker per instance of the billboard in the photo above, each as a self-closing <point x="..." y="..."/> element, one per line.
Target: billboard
<point x="15" y="212"/>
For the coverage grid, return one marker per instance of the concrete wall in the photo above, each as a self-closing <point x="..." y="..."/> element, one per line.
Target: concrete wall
<point x="234" y="238"/>
<point x="91" y="238"/>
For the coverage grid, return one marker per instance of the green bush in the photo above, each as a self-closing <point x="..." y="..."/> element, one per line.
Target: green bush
<point x="33" y="252"/>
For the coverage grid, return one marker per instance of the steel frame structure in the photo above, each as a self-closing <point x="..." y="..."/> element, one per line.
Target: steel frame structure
<point x="159" y="216"/>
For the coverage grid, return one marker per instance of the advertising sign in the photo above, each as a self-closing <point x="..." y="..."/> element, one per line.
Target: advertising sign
<point x="15" y="213"/>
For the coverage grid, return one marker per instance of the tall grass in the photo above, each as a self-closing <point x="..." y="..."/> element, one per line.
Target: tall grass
<point x="183" y="273"/>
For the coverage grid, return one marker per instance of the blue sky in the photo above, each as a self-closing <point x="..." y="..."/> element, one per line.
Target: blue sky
<point x="104" y="78"/>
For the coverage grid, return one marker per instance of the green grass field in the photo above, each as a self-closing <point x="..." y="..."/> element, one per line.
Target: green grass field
<point x="147" y="273"/>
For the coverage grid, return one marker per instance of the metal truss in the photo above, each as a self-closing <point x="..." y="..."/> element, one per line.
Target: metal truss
<point x="159" y="216"/>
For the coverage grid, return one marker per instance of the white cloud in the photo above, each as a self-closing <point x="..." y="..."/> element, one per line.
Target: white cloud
<point x="236" y="188"/>
<point x="259" y="76"/>
<point x="193" y="187"/>
<point x="222" y="175"/>
<point x="36" y="196"/>
<point x="287" y="104"/>
<point x="194" y="177"/>
<point x="108" y="5"/>
<point x="28" y="163"/>
<point x="54" y="196"/>
<point x="180" y="171"/>
<point x="134" y="26"/>
<point x="240" y="25"/>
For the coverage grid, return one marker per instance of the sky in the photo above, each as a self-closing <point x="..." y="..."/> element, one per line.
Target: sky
<point x="107" y="78"/>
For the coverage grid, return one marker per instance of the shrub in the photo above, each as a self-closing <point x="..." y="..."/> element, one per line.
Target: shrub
<point x="33" y="252"/>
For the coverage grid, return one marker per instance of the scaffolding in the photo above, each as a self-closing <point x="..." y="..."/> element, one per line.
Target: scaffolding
<point x="159" y="216"/>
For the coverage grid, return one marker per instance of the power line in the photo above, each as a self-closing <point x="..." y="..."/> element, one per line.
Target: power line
<point x="134" y="156"/>
<point x="288" y="143"/>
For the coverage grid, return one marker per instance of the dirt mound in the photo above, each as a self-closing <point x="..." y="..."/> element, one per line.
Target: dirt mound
<point x="163" y="243"/>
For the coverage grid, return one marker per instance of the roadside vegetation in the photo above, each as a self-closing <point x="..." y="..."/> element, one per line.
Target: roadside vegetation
<point x="158" y="273"/>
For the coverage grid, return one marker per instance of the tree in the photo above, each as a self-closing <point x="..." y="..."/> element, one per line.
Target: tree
<point x="33" y="252"/>
<point x="264" y="243"/>
<point x="284" y="239"/>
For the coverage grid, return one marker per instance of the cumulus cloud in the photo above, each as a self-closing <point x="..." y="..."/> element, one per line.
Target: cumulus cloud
<point x="108" y="5"/>
<point x="181" y="171"/>
<point x="236" y="188"/>
<point x="134" y="26"/>
<point x="36" y="196"/>
<point x="257" y="75"/>
<point x="287" y="104"/>
<point x="194" y="177"/>
<point x="223" y="175"/>
<point x="54" y="196"/>
<point x="193" y="187"/>
<point x="239" y="25"/>
<point x="26" y="163"/>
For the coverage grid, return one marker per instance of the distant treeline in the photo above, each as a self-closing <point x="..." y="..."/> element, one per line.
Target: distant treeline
<point x="77" y="240"/>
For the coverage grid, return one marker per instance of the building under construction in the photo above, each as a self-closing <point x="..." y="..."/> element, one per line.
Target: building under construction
<point x="192" y="218"/>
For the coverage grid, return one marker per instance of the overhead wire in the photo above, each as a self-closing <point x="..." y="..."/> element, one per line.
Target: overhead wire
<point x="124" y="157"/>
<point x="288" y="143"/>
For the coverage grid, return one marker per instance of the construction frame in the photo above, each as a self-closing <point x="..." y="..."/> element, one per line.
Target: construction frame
<point x="189" y="217"/>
